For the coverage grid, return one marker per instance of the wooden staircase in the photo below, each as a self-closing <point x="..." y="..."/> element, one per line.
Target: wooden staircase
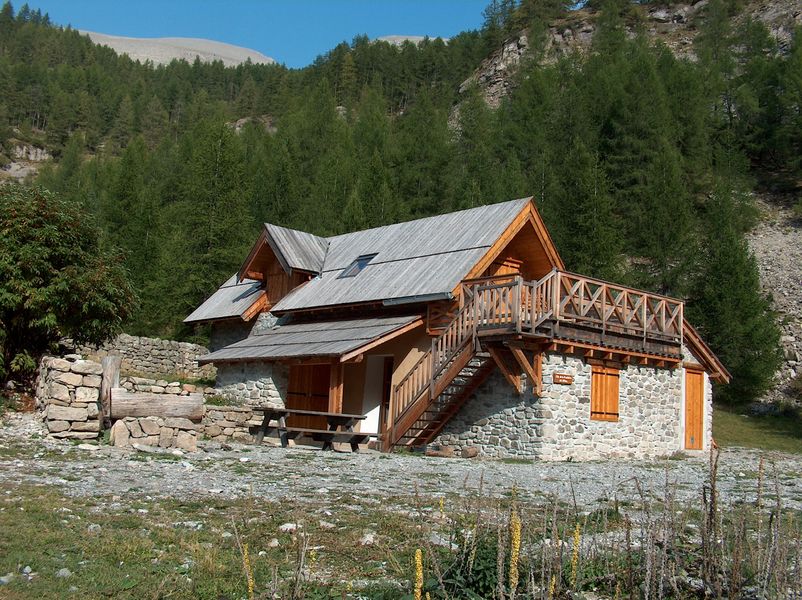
<point x="416" y="408"/>
<point x="438" y="412"/>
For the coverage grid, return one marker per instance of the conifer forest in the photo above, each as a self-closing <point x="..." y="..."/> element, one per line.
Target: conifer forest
<point x="644" y="164"/>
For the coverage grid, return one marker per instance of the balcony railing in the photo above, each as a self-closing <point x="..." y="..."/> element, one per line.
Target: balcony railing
<point x="512" y="304"/>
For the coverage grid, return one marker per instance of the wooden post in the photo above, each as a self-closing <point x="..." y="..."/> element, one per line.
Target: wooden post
<point x="110" y="379"/>
<point x="336" y="388"/>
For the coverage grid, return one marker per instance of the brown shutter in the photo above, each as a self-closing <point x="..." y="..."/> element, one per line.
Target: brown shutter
<point x="604" y="386"/>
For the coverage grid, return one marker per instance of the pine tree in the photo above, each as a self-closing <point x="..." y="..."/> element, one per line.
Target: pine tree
<point x="124" y="124"/>
<point x="155" y="123"/>
<point x="729" y="307"/>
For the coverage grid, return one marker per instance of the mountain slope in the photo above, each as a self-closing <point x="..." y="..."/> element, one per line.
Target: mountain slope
<point x="161" y="51"/>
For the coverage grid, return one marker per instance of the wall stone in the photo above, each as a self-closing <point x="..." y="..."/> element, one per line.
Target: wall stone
<point x="153" y="356"/>
<point x="225" y="333"/>
<point x="68" y="395"/>
<point x="253" y="383"/>
<point x="171" y="432"/>
<point x="237" y="423"/>
<point x="557" y="425"/>
<point x="162" y="386"/>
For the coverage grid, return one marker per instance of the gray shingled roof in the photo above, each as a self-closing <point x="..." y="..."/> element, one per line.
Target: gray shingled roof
<point x="418" y="258"/>
<point x="297" y="250"/>
<point x="230" y="300"/>
<point x="320" y="338"/>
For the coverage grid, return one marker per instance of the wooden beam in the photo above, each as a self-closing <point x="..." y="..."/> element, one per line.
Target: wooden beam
<point x="526" y="366"/>
<point x="336" y="388"/>
<point x="261" y="304"/>
<point x="379" y="341"/>
<point x="643" y="358"/>
<point x="512" y="378"/>
<point x="146" y="404"/>
<point x="110" y="380"/>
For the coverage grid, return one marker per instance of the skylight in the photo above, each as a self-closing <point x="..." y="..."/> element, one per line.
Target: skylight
<point x="356" y="267"/>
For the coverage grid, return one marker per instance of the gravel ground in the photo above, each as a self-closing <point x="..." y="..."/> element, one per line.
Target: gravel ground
<point x="300" y="473"/>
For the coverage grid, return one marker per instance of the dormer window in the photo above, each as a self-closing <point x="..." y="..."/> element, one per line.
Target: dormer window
<point x="356" y="267"/>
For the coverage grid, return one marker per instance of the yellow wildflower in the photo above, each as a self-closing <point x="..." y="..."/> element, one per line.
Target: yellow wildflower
<point x="515" y="550"/>
<point x="418" y="574"/>
<point x="575" y="554"/>
<point x="552" y="586"/>
<point x="246" y="560"/>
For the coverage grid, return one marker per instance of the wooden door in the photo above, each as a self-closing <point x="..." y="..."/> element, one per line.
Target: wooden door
<point x="694" y="409"/>
<point x="308" y="389"/>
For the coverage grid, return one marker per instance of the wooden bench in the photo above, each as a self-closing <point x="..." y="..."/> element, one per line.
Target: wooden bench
<point x="341" y="428"/>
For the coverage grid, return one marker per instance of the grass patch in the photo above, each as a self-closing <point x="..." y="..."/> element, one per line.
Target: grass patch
<point x="187" y="549"/>
<point x="517" y="461"/>
<point x="733" y="427"/>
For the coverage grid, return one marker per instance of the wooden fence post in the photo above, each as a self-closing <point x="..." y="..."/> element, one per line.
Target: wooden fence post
<point x="111" y="379"/>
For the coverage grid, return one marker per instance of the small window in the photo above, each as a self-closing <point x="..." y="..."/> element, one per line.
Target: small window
<point x="356" y="267"/>
<point x="604" y="394"/>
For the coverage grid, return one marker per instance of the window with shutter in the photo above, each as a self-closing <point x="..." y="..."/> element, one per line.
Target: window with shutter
<point x="604" y="394"/>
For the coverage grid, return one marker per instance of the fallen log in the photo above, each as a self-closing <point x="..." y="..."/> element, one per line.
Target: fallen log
<point x="144" y="404"/>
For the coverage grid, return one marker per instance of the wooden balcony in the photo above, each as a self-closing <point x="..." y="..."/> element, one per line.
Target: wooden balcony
<point x="576" y="308"/>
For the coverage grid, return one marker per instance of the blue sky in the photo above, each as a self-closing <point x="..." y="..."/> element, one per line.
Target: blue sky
<point x="291" y="31"/>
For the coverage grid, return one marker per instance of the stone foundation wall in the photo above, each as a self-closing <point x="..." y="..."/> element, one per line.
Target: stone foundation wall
<point x="153" y="356"/>
<point x="172" y="432"/>
<point x="557" y="424"/>
<point x="68" y="394"/>
<point x="253" y="384"/>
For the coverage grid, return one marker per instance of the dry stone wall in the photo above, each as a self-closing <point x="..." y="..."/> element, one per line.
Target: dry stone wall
<point x="172" y="432"/>
<point x="153" y="356"/>
<point x="237" y="423"/>
<point x="68" y="394"/>
<point x="253" y="384"/>
<point x="162" y="386"/>
<point x="557" y="426"/>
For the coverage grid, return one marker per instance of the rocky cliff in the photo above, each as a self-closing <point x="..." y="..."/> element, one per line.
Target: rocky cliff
<point x="777" y="245"/>
<point x="675" y="26"/>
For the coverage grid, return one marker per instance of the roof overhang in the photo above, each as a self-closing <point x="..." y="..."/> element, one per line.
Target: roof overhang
<point x="711" y="363"/>
<point x="231" y="301"/>
<point x="341" y="340"/>
<point x="528" y="216"/>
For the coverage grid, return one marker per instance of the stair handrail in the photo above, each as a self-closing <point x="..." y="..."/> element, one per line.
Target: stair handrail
<point x="426" y="371"/>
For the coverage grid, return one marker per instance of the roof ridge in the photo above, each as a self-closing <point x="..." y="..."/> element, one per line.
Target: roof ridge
<point x="454" y="212"/>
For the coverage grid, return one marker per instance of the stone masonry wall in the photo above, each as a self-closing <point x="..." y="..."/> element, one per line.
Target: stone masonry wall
<point x="68" y="394"/>
<point x="153" y="356"/>
<point x="224" y="333"/>
<point x="557" y="425"/>
<point x="223" y="423"/>
<point x="171" y="432"/>
<point x="162" y="386"/>
<point x="253" y="384"/>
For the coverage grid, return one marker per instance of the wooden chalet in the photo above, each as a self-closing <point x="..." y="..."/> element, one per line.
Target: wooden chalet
<point x="410" y="323"/>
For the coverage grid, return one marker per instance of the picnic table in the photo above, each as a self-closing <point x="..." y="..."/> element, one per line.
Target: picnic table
<point x="340" y="427"/>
